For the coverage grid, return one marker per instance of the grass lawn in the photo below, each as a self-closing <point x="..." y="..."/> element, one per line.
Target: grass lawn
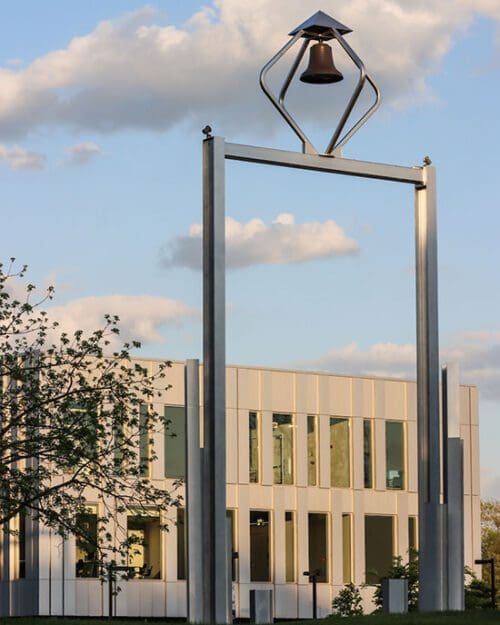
<point x="478" y="617"/>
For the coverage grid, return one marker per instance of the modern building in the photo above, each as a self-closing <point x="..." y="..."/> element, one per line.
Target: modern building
<point x="321" y="474"/>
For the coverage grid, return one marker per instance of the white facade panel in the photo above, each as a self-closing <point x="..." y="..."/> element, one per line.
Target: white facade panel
<point x="267" y="392"/>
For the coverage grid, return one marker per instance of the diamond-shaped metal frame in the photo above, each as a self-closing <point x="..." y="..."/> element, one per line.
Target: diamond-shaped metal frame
<point x="320" y="27"/>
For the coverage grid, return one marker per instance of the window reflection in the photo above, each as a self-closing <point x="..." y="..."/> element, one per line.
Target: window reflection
<point x="283" y="448"/>
<point x="340" y="471"/>
<point x="394" y="455"/>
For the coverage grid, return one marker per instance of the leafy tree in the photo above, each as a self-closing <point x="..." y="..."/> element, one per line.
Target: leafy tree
<point x="477" y="592"/>
<point x="348" y="602"/>
<point x="490" y="536"/>
<point x="71" y="415"/>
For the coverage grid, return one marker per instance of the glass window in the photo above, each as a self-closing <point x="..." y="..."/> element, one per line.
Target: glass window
<point x="22" y="544"/>
<point x="367" y="453"/>
<point x="181" y="543"/>
<point x="175" y="442"/>
<point x="340" y="471"/>
<point x="379" y="547"/>
<point x="412" y="538"/>
<point x="394" y="454"/>
<point x="230" y="516"/>
<point x="312" y="447"/>
<point x="260" y="561"/>
<point x="318" y="544"/>
<point x="85" y="429"/>
<point x="144" y="538"/>
<point x="253" y="446"/>
<point x="144" y="441"/>
<point x="283" y="448"/>
<point x="347" y="548"/>
<point x="119" y="445"/>
<point x="87" y="555"/>
<point x="289" y="547"/>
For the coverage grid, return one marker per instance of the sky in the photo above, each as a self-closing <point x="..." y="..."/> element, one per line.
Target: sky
<point x="101" y="110"/>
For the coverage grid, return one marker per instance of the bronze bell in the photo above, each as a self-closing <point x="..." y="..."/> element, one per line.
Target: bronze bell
<point x="321" y="69"/>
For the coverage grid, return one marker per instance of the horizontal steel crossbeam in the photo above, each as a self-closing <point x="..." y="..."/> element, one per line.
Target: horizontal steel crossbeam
<point x="329" y="164"/>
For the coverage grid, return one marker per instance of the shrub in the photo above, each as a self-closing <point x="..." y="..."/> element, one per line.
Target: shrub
<point x="348" y="601"/>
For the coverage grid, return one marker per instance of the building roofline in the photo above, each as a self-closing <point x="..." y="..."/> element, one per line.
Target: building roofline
<point x="305" y="371"/>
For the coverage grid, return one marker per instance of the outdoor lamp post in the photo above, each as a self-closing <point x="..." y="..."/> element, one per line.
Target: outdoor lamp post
<point x="322" y="32"/>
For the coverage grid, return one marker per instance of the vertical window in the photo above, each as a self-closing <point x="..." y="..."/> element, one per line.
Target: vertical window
<point x="260" y="561"/>
<point x="230" y="517"/>
<point x="379" y="547"/>
<point x="144" y="441"/>
<point x="340" y="470"/>
<point x="119" y="444"/>
<point x="87" y="555"/>
<point x="347" y="548"/>
<point x="181" y="543"/>
<point x="175" y="442"/>
<point x="84" y="425"/>
<point x="253" y="446"/>
<point x="412" y="538"/>
<point x="283" y="448"/>
<point x="394" y="454"/>
<point x="289" y="547"/>
<point x="144" y="539"/>
<point x="318" y="544"/>
<point x="22" y="545"/>
<point x="367" y="453"/>
<point x="312" y="447"/>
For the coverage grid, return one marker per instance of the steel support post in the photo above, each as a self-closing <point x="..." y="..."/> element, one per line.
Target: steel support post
<point x="432" y="578"/>
<point x="453" y="454"/>
<point x="194" y="493"/>
<point x="215" y="584"/>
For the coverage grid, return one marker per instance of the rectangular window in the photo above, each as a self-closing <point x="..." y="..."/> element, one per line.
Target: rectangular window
<point x="340" y="469"/>
<point x="394" y="455"/>
<point x="87" y="555"/>
<point x="22" y="544"/>
<point x="253" y="446"/>
<point x="283" y="448"/>
<point x="144" y="441"/>
<point x="181" y="543"/>
<point x="260" y="560"/>
<point x="312" y="447"/>
<point x="289" y="547"/>
<point x="347" y="548"/>
<point x="318" y="545"/>
<point x="175" y="442"/>
<point x="367" y="453"/>
<point x="83" y="423"/>
<point x="412" y="538"/>
<point x="144" y="538"/>
<point x="119" y="443"/>
<point x="379" y="547"/>
<point x="230" y="519"/>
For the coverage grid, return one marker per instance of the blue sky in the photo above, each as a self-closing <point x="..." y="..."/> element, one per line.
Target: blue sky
<point x="101" y="108"/>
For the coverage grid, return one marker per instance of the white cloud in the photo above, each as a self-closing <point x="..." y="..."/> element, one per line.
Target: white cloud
<point x="82" y="153"/>
<point x="141" y="316"/>
<point x="139" y="72"/>
<point x="255" y="242"/>
<point x="490" y="483"/>
<point x="19" y="158"/>
<point x="478" y="354"/>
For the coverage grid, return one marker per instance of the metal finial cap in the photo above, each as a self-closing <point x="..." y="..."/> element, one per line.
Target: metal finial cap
<point x="321" y="24"/>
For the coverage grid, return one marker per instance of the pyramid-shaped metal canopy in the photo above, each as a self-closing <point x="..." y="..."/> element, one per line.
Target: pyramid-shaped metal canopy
<point x="321" y="24"/>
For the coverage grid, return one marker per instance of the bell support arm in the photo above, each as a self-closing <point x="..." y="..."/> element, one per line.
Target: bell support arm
<point x="363" y="76"/>
<point x="307" y="146"/>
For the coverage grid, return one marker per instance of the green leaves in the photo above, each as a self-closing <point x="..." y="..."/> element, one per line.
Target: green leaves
<point x="63" y="399"/>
